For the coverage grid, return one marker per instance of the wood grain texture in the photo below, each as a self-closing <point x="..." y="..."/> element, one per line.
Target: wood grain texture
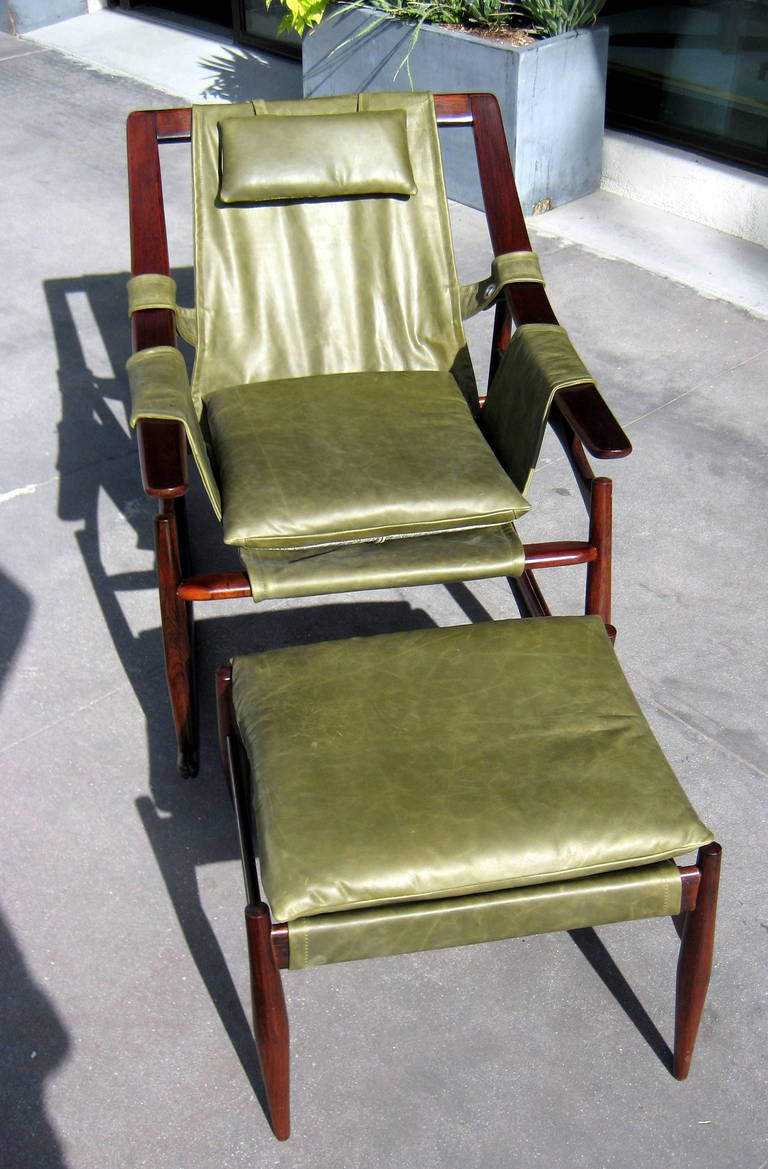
<point x="695" y="962"/>
<point x="598" y="587"/>
<point x="270" y="1018"/>
<point x="176" y="621"/>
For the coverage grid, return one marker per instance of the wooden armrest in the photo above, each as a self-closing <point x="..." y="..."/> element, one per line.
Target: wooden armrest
<point x="586" y="412"/>
<point x="163" y="457"/>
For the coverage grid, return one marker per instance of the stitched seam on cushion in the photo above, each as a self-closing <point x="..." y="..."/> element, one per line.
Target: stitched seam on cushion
<point x="668" y="894"/>
<point x="334" y="541"/>
<point x="483" y="887"/>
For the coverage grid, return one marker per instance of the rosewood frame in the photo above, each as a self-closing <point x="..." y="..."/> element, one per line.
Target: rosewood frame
<point x="579" y="416"/>
<point x="269" y="947"/>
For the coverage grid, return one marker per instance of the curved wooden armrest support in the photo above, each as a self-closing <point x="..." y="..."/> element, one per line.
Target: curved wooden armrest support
<point x="586" y="412"/>
<point x="528" y="304"/>
<point x="163" y="457"/>
<point x="153" y="326"/>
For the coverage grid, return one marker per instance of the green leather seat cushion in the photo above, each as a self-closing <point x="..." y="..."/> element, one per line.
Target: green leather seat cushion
<point x="446" y="762"/>
<point x="316" y="461"/>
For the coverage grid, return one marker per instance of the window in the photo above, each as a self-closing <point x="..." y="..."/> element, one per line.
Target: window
<point x="695" y="74"/>
<point x="257" y="25"/>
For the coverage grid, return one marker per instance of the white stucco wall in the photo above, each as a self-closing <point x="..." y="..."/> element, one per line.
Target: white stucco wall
<point x="707" y="192"/>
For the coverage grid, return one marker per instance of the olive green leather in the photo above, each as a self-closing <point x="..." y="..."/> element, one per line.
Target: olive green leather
<point x="651" y="891"/>
<point x="381" y="564"/>
<point x="304" y="157"/>
<point x="539" y="361"/>
<point x="376" y="781"/>
<point x="160" y="389"/>
<point x="307" y="462"/>
<point x="151" y="290"/>
<point x="299" y="289"/>
<point x="508" y="268"/>
<point x="314" y="289"/>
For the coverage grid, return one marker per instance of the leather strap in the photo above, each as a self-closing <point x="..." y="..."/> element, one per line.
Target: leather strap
<point x="153" y="290"/>
<point x="508" y="268"/>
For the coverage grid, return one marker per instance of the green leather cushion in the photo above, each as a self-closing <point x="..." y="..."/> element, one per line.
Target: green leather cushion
<point x="320" y="156"/>
<point x="451" y="761"/>
<point x="318" y="461"/>
<point x="643" y="891"/>
<point x="382" y="564"/>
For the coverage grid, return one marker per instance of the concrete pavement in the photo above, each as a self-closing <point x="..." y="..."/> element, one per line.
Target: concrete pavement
<point x="125" y="983"/>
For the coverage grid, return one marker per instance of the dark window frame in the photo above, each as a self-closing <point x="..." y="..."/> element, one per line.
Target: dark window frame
<point x="276" y="44"/>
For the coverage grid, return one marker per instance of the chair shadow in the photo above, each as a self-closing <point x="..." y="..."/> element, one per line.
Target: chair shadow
<point x="189" y="824"/>
<point x="35" y="1041"/>
<point x="606" y="969"/>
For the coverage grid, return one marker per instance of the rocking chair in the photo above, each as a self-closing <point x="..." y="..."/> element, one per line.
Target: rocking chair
<point x="332" y="411"/>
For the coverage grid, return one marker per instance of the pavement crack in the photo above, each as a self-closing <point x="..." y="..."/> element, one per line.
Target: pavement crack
<point x="29" y="489"/>
<point x="662" y="406"/>
<point x="707" y="738"/>
<point x="58" y="721"/>
<point x="693" y="389"/>
<point x="27" y="52"/>
<point x="738" y="365"/>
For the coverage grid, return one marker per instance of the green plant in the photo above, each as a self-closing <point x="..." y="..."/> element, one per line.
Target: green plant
<point x="546" y="17"/>
<point x="483" y="13"/>
<point x="551" y="17"/>
<point x="300" y="15"/>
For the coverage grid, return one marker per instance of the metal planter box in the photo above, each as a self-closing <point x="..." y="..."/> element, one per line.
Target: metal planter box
<point x="552" y="94"/>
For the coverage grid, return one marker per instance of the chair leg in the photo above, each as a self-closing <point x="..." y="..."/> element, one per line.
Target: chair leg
<point x="176" y="621"/>
<point x="695" y="961"/>
<point x="598" y="592"/>
<point x="270" y="1018"/>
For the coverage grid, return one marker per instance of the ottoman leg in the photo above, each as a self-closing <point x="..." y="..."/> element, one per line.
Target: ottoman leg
<point x="270" y="1019"/>
<point x="695" y="961"/>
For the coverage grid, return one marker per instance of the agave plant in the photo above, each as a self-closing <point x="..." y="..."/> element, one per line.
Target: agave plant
<point x="547" y="18"/>
<point x="483" y="13"/>
<point x="551" y="17"/>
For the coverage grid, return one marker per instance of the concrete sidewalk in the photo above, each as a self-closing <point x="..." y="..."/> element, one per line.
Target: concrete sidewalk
<point x="124" y="968"/>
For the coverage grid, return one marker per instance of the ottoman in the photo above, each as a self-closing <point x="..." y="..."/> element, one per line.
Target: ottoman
<point x="438" y="788"/>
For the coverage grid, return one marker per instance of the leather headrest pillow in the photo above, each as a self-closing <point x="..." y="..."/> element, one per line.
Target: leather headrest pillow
<point x="314" y="156"/>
